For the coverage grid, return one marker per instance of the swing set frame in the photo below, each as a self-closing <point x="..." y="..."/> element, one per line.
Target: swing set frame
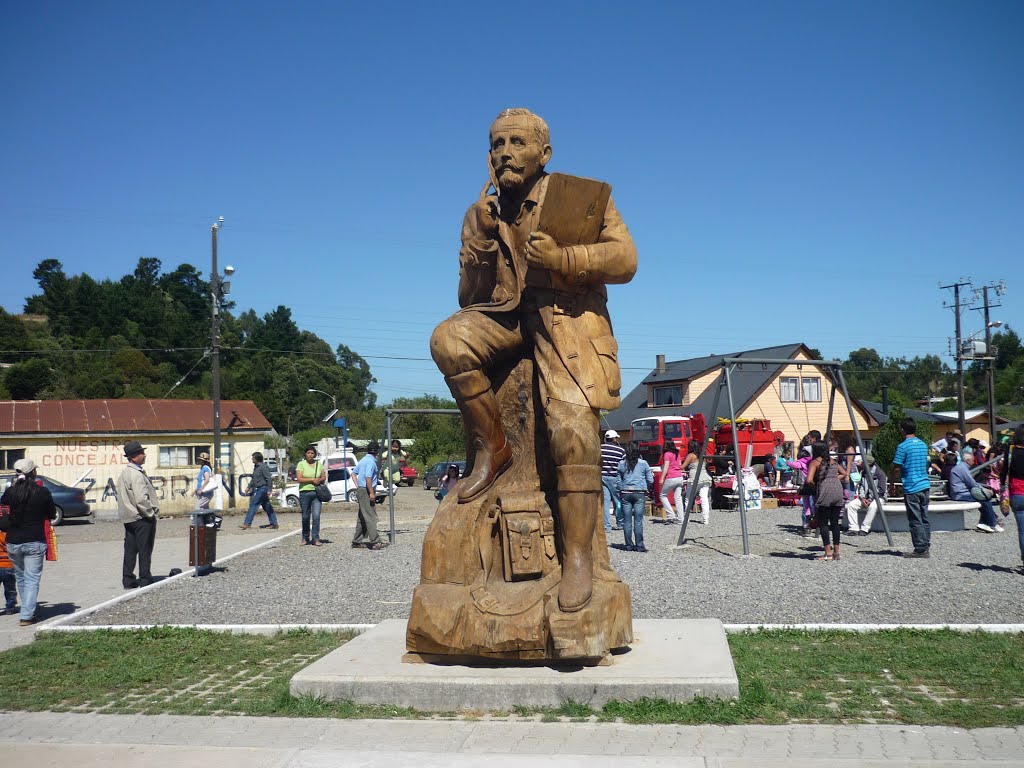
<point x="730" y="365"/>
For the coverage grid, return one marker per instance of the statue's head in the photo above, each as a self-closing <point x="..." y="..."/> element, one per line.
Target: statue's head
<point x="520" y="148"/>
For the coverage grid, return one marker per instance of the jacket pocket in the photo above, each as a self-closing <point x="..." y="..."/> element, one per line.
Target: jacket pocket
<point x="607" y="349"/>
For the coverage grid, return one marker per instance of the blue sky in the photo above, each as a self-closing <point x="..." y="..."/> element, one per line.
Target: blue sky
<point x="793" y="171"/>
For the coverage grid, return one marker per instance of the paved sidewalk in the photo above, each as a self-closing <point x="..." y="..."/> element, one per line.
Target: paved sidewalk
<point x="89" y="572"/>
<point x="56" y="739"/>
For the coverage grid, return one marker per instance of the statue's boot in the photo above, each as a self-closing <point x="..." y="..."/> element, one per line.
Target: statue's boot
<point x="479" y="407"/>
<point x="579" y="503"/>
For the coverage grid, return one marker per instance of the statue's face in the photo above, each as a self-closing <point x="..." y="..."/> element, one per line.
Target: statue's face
<point x="517" y="156"/>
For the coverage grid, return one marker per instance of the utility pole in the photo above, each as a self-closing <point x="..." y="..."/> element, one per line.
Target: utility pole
<point x="990" y="354"/>
<point x="218" y="289"/>
<point x="215" y="344"/>
<point x="958" y="353"/>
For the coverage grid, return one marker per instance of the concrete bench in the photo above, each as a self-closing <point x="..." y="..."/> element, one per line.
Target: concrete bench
<point x="943" y="515"/>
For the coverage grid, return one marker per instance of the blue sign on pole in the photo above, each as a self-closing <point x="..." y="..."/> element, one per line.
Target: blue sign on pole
<point x="339" y="423"/>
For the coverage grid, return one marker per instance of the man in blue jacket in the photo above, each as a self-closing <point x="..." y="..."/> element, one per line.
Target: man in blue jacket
<point x="365" y="475"/>
<point x="961" y="481"/>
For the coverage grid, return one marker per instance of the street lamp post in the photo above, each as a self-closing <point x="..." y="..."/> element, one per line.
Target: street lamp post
<point x="218" y="289"/>
<point x="334" y="412"/>
<point x="334" y="400"/>
<point x="334" y="405"/>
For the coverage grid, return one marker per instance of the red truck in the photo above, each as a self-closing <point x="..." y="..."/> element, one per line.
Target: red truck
<point x="654" y="432"/>
<point x="756" y="439"/>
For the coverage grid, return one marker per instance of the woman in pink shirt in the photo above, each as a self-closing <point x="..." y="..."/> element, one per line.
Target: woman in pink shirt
<point x="671" y="483"/>
<point x="1012" y="483"/>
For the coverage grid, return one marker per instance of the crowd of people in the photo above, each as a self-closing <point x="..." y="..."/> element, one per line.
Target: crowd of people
<point x="952" y="461"/>
<point x="27" y="509"/>
<point x="840" y="491"/>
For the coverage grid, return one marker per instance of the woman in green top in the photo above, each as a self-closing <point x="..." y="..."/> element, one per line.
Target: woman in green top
<point x="310" y="473"/>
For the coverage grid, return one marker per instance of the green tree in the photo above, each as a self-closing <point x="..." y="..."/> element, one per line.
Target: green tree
<point x="889" y="437"/>
<point x="155" y="326"/>
<point x="13" y="336"/>
<point x="53" y="300"/>
<point x="25" y="381"/>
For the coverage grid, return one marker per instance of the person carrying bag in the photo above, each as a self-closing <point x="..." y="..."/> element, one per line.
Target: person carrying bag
<point x="311" y="477"/>
<point x="322" y="491"/>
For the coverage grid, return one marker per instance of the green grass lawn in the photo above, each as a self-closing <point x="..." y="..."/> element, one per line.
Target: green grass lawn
<point x="907" y="676"/>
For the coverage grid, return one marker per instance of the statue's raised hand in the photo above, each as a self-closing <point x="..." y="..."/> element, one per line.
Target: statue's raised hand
<point x="487" y="216"/>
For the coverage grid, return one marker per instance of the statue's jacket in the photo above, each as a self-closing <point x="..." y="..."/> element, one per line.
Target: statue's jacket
<point x="572" y="302"/>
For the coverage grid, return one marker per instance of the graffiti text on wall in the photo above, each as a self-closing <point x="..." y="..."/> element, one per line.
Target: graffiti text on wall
<point x="167" y="488"/>
<point x="84" y="453"/>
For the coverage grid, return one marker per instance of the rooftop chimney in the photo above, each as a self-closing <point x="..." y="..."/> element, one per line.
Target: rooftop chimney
<point x="659" y="364"/>
<point x="885" y="399"/>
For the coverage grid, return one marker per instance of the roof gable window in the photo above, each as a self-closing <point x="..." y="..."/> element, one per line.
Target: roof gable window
<point x="671" y="394"/>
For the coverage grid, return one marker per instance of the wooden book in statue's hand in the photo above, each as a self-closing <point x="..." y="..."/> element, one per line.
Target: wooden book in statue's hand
<point x="573" y="209"/>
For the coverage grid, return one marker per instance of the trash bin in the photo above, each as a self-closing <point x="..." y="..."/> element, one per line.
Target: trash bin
<point x="202" y="538"/>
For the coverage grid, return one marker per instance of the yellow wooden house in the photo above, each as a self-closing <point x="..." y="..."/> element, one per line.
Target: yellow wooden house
<point x="793" y="396"/>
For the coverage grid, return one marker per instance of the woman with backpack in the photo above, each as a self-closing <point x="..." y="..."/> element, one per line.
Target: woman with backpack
<point x="827" y="477"/>
<point x="30" y="506"/>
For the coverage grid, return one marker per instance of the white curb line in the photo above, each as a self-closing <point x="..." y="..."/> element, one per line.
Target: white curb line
<point x="994" y="628"/>
<point x="238" y="629"/>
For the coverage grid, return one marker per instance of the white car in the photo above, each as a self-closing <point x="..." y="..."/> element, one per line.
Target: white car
<point x="342" y="486"/>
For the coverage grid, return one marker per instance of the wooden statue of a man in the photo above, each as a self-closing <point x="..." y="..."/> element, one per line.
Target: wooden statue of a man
<point x="520" y="290"/>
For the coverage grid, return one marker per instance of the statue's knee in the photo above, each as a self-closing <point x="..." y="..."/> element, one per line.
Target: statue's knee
<point x="443" y="347"/>
<point x="450" y="351"/>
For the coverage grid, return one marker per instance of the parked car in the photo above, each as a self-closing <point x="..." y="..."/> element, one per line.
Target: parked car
<point x="70" y="502"/>
<point x="342" y="486"/>
<point x="432" y="477"/>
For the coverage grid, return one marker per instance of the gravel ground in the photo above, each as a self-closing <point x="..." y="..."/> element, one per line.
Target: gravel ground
<point x="970" y="578"/>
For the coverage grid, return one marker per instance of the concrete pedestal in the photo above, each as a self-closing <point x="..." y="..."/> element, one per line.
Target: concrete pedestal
<point x="670" y="659"/>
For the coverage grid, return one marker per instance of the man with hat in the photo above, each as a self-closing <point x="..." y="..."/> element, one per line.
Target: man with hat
<point x="365" y="475"/>
<point x="611" y="454"/>
<point x="136" y="502"/>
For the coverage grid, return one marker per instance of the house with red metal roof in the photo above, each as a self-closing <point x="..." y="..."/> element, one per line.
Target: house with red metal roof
<point x="80" y="443"/>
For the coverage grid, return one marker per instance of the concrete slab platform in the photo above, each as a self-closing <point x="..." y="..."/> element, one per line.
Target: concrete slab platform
<point x="943" y="516"/>
<point x="670" y="659"/>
